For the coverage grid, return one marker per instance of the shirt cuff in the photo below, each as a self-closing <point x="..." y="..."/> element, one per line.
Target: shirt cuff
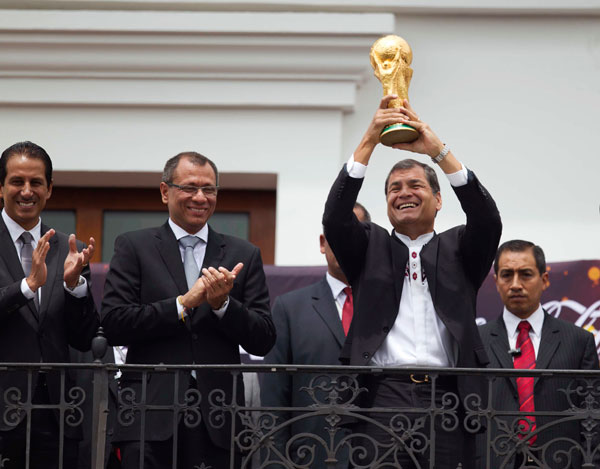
<point x="459" y="178"/>
<point x="181" y="313"/>
<point x="27" y="293"/>
<point x="355" y="170"/>
<point x="80" y="291"/>
<point x="221" y="311"/>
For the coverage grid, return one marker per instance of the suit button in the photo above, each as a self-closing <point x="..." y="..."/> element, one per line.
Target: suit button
<point x="366" y="355"/>
<point x="195" y="336"/>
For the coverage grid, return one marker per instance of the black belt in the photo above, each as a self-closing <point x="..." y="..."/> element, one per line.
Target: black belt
<point x="419" y="378"/>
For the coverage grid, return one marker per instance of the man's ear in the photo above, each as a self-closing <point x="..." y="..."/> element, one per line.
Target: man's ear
<point x="545" y="280"/>
<point x="322" y="242"/>
<point x="164" y="192"/>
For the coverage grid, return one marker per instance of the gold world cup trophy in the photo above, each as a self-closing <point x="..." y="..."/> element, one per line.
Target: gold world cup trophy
<point x="391" y="57"/>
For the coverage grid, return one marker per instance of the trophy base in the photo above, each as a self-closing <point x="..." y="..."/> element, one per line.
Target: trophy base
<point x="398" y="133"/>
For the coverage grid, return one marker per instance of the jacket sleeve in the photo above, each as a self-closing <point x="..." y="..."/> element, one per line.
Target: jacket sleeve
<point x="346" y="235"/>
<point x="480" y="238"/>
<point x="124" y="318"/>
<point x="247" y="320"/>
<point x="81" y="315"/>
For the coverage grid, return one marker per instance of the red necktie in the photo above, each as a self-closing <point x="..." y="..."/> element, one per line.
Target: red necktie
<point x="347" y="310"/>
<point x="525" y="384"/>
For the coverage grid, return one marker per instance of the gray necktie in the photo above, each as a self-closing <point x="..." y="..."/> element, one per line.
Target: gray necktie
<point x="192" y="272"/>
<point x="26" y="253"/>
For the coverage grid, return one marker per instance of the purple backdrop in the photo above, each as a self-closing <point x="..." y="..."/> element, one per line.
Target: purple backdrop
<point x="573" y="295"/>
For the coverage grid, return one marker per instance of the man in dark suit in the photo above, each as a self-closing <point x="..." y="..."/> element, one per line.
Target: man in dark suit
<point x="533" y="441"/>
<point x="156" y="304"/>
<point x="414" y="289"/>
<point x="310" y="331"/>
<point x="45" y="305"/>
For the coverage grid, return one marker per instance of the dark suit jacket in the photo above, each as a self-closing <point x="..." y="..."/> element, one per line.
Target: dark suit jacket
<point x="63" y="320"/>
<point x="309" y="332"/>
<point x="139" y="310"/>
<point x="374" y="260"/>
<point x="563" y="346"/>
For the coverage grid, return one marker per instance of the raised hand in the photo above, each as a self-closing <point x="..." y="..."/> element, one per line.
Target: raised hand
<point x="428" y="142"/>
<point x="76" y="261"/>
<point x="383" y="117"/>
<point x="39" y="271"/>
<point x="219" y="283"/>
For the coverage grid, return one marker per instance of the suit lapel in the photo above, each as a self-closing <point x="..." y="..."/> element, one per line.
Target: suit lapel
<point x="215" y="250"/>
<point x="10" y="256"/>
<point x="168" y="249"/>
<point x="399" y="260"/>
<point x="324" y="304"/>
<point x="549" y="343"/>
<point x="52" y="264"/>
<point x="11" y="259"/>
<point x="500" y="348"/>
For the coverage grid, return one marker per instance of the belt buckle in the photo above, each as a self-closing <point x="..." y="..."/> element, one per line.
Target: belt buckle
<point x="419" y="381"/>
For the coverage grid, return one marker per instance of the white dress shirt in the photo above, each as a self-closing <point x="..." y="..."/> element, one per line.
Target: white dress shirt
<point x="535" y="334"/>
<point x="15" y="230"/>
<point x="418" y="336"/>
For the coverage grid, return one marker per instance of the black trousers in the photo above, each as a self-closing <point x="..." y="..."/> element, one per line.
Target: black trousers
<point x="194" y="449"/>
<point x="402" y="435"/>
<point x="44" y="438"/>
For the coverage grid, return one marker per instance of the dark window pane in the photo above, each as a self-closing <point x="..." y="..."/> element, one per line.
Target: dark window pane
<point x="61" y="220"/>
<point x="117" y="222"/>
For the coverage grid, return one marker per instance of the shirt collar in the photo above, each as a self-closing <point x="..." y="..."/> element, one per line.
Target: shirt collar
<point x="179" y="232"/>
<point x="336" y="285"/>
<point x="419" y="242"/>
<point x="536" y="320"/>
<point x="15" y="230"/>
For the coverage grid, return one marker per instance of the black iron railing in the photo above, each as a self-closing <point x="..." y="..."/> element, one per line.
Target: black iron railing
<point x="564" y="437"/>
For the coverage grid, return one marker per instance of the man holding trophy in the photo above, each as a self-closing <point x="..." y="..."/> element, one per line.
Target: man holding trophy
<point x="414" y="289"/>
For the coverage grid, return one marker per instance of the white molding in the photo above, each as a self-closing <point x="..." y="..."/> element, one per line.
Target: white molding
<point x="478" y="7"/>
<point x="178" y="94"/>
<point x="175" y="59"/>
<point x="287" y="23"/>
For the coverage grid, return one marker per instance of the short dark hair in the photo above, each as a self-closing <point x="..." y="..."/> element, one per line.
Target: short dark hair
<point x="366" y="214"/>
<point x="518" y="245"/>
<point x="194" y="157"/>
<point x="30" y="150"/>
<point x="410" y="163"/>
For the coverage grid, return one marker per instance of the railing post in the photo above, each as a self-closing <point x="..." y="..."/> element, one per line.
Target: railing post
<point x="100" y="402"/>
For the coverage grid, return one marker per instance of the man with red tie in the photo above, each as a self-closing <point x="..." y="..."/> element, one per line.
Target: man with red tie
<point x="527" y="337"/>
<point x="312" y="324"/>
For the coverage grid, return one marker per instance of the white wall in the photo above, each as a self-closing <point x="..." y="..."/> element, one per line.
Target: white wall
<point x="516" y="97"/>
<point x="518" y="101"/>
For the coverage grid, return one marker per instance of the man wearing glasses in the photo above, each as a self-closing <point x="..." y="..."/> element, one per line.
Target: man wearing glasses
<point x="183" y="293"/>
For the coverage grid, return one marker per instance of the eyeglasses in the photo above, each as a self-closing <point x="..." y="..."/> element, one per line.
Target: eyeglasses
<point x="208" y="191"/>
